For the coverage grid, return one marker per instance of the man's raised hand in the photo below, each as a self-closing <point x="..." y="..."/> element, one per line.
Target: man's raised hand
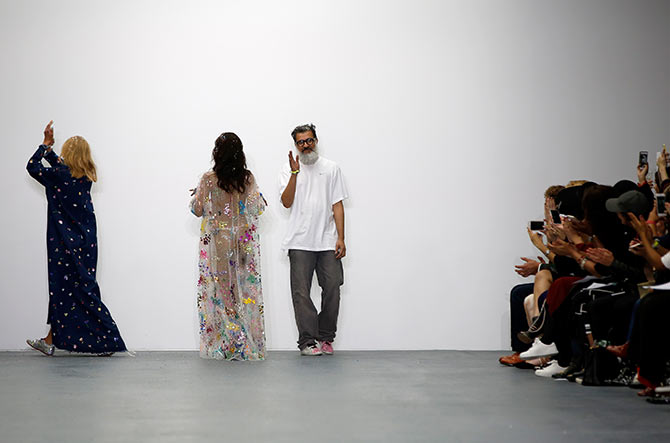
<point x="295" y="165"/>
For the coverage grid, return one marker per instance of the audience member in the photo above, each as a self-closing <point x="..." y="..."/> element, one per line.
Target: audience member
<point x="591" y="287"/>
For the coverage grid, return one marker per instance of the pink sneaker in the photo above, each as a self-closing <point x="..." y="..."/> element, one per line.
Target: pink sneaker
<point x="326" y="347"/>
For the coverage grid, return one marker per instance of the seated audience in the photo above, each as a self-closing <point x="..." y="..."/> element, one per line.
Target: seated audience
<point x="602" y="247"/>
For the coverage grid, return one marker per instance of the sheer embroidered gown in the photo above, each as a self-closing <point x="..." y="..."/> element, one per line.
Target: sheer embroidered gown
<point x="230" y="299"/>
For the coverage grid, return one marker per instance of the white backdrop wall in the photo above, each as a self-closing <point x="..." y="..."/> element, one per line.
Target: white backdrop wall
<point x="448" y="118"/>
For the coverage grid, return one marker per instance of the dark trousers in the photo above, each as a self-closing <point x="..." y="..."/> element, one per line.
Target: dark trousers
<point x="517" y="313"/>
<point x="649" y="341"/>
<point x="558" y="329"/>
<point x="610" y="317"/>
<point x="314" y="326"/>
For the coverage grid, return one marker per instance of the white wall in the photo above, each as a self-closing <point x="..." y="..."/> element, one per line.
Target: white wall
<point x="448" y="118"/>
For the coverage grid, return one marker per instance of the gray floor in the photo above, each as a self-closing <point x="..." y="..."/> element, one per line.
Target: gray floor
<point x="352" y="396"/>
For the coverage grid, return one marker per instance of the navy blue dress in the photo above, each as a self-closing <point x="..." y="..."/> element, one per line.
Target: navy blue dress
<point x="79" y="320"/>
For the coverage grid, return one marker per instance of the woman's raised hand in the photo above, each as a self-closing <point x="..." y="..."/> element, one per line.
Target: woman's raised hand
<point x="49" y="135"/>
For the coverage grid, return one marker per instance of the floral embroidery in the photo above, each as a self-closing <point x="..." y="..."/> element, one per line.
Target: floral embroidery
<point x="230" y="301"/>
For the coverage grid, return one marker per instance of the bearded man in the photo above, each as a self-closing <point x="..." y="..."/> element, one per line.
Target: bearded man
<point x="313" y="189"/>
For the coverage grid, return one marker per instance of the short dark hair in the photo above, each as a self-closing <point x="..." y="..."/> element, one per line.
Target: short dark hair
<point x="304" y="128"/>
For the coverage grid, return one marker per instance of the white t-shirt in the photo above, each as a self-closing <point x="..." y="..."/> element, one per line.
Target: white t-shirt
<point x="665" y="259"/>
<point x="311" y="225"/>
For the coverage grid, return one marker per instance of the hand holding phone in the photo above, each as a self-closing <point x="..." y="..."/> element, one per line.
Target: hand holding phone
<point x="643" y="158"/>
<point x="642" y="167"/>
<point x="660" y="205"/>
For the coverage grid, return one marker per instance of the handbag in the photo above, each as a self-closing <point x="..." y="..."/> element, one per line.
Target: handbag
<point x="600" y="367"/>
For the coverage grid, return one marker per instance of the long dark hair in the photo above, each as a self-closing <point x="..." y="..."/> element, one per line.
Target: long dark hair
<point x="230" y="164"/>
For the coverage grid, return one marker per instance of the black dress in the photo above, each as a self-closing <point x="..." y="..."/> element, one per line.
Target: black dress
<point x="79" y="321"/>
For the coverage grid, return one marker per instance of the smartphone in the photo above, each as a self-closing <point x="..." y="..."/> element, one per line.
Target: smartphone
<point x="644" y="158"/>
<point x="660" y="205"/>
<point x="536" y="225"/>
<point x="555" y="217"/>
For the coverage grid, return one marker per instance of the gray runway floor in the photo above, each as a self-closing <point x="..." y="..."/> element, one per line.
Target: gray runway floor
<point x="413" y="396"/>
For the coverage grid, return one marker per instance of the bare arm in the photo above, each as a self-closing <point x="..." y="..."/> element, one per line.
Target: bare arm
<point x="288" y="195"/>
<point x="198" y="200"/>
<point x="338" y="214"/>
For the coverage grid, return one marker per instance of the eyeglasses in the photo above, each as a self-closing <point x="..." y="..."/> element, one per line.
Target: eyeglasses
<point x="308" y="141"/>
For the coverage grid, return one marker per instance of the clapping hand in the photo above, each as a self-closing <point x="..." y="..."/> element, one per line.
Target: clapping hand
<point x="549" y="205"/>
<point x="555" y="231"/>
<point x="600" y="255"/>
<point x="560" y="247"/>
<point x="529" y="267"/>
<point x="573" y="231"/>
<point x="640" y="226"/>
<point x="49" y="135"/>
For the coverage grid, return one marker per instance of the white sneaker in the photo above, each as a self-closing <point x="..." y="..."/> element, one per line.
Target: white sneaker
<point x="539" y="349"/>
<point x="311" y="350"/>
<point x="551" y="369"/>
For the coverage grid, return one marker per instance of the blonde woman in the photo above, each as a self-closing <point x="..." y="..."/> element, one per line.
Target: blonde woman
<point x="78" y="319"/>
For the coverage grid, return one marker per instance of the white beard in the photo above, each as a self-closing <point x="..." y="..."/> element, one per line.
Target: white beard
<point x="309" y="158"/>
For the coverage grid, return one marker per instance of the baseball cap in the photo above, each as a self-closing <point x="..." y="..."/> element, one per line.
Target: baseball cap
<point x="629" y="201"/>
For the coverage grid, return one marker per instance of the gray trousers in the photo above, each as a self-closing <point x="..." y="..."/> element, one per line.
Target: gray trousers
<point x="314" y="326"/>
